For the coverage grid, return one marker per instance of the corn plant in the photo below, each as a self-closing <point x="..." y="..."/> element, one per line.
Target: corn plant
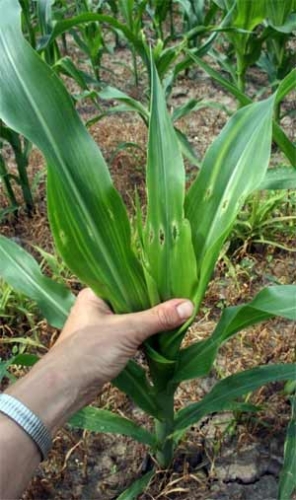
<point x="28" y="20"/>
<point x="277" y="58"/>
<point x="249" y="18"/>
<point x="45" y="20"/>
<point x="287" y="481"/>
<point x="159" y="11"/>
<point x="89" y="37"/>
<point x="172" y="253"/>
<point x="132" y="12"/>
<point x="196" y="13"/>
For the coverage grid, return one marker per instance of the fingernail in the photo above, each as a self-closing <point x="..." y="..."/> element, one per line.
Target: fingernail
<point x="185" y="309"/>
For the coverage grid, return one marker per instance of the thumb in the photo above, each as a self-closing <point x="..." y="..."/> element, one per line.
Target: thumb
<point x="163" y="317"/>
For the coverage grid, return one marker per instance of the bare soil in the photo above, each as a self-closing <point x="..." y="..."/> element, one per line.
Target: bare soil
<point x="224" y="456"/>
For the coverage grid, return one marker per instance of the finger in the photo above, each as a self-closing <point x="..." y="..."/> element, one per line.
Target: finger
<point x="163" y="317"/>
<point x="87" y="299"/>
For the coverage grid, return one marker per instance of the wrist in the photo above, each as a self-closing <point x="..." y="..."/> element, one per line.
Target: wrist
<point x="49" y="391"/>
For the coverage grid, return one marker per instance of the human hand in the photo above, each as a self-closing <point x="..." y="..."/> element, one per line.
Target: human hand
<point x="102" y="342"/>
<point x="93" y="348"/>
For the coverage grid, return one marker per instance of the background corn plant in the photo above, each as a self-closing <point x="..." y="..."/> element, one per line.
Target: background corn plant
<point x="21" y="149"/>
<point x="173" y="252"/>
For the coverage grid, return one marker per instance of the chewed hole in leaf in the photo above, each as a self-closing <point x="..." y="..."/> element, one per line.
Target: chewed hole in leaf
<point x="151" y="235"/>
<point x="111" y="214"/>
<point x="225" y="204"/>
<point x="161" y="236"/>
<point x="63" y="237"/>
<point x="208" y="193"/>
<point x="175" y="231"/>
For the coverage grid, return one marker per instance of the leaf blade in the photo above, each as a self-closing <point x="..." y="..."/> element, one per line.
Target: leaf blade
<point x="167" y="233"/>
<point x="279" y="178"/>
<point x="197" y="359"/>
<point x="287" y="484"/>
<point x="232" y="387"/>
<point x="98" y="420"/>
<point x="287" y="85"/>
<point x="133" y="382"/>
<point x="20" y="270"/>
<point x="228" y="174"/>
<point x="137" y="487"/>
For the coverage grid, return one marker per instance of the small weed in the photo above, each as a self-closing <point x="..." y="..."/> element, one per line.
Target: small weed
<point x="19" y="320"/>
<point x="267" y="218"/>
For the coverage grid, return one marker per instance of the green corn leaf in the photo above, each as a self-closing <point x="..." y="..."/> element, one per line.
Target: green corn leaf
<point x="126" y="8"/>
<point x="157" y="357"/>
<point x="186" y="108"/>
<point x="45" y="24"/>
<point x="225" y="4"/>
<point x="121" y="108"/>
<point x="167" y="57"/>
<point x="4" y="365"/>
<point x="279" y="178"/>
<point x="229" y="389"/>
<point x="249" y="14"/>
<point x="44" y="13"/>
<point x="186" y="148"/>
<point x="133" y="382"/>
<point x="122" y="146"/>
<point x="206" y="46"/>
<point x="287" y="85"/>
<point x="65" y="65"/>
<point x="284" y="143"/>
<point x="278" y="11"/>
<point x="233" y="167"/>
<point x="197" y="359"/>
<point x="20" y="270"/>
<point x="133" y="104"/>
<point x="88" y="218"/>
<point x="97" y="420"/>
<point x="195" y="105"/>
<point x="288" y="27"/>
<point x="287" y="484"/>
<point x="240" y="96"/>
<point x="167" y="243"/>
<point x="137" y="487"/>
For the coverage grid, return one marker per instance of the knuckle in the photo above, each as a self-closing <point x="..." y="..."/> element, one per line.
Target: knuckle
<point x="84" y="294"/>
<point x="165" y="317"/>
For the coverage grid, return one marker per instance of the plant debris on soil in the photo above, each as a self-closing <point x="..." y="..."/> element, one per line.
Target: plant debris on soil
<point x="226" y="456"/>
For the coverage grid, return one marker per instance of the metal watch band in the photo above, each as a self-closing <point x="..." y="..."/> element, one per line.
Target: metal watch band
<point x="28" y="421"/>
